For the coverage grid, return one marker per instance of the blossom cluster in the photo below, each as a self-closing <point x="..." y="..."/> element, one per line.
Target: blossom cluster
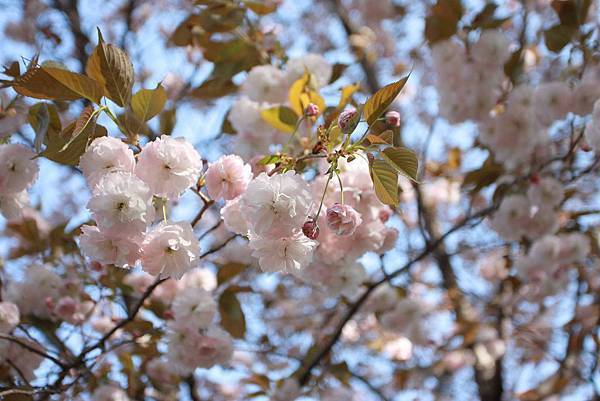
<point x="194" y="336"/>
<point x="264" y="87"/>
<point x="471" y="86"/>
<point x="124" y="194"/>
<point x="531" y="215"/>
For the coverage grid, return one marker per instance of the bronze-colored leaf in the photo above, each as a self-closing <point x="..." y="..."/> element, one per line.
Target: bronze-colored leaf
<point x="83" y="120"/>
<point x="43" y="117"/>
<point x="443" y="20"/>
<point x="385" y="182"/>
<point x="112" y="68"/>
<point x="232" y="315"/>
<point x="403" y="160"/>
<point x="380" y="101"/>
<point x="229" y="271"/>
<point x="261" y="7"/>
<point x="167" y="121"/>
<point x="213" y="88"/>
<point x="221" y="17"/>
<point x="65" y="148"/>
<point x="56" y="84"/>
<point x="558" y="36"/>
<point x="147" y="103"/>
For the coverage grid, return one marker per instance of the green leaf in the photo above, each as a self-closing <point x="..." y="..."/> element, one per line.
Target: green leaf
<point x="269" y="159"/>
<point x="385" y="182"/>
<point x="380" y="101"/>
<point x="229" y="271"/>
<point x="232" y="315"/>
<point x="281" y="118"/>
<point x="112" y="68"/>
<point x="147" y="103"/>
<point x="403" y="160"/>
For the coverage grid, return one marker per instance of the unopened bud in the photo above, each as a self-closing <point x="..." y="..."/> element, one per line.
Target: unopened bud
<point x="312" y="110"/>
<point x="534" y="179"/>
<point x="345" y="118"/>
<point x="392" y="118"/>
<point x="311" y="229"/>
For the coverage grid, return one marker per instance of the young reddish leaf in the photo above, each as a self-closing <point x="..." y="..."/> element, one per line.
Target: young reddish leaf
<point x="380" y="101"/>
<point x="112" y="68"/>
<point x="147" y="103"/>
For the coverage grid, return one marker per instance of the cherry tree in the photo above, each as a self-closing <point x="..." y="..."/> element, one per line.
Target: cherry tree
<point x="311" y="200"/>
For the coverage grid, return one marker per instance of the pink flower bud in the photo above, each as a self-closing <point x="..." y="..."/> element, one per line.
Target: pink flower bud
<point x="310" y="229"/>
<point x="384" y="214"/>
<point x="343" y="219"/>
<point x="392" y="118"/>
<point x="344" y="119"/>
<point x="49" y="303"/>
<point x="65" y="307"/>
<point x="312" y="110"/>
<point x="534" y="179"/>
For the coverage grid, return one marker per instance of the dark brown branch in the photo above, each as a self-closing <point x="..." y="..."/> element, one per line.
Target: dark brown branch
<point x="71" y="10"/>
<point x="350" y="29"/>
<point x="218" y="247"/>
<point x="354" y="308"/>
<point x="34" y="350"/>
<point x="191" y="384"/>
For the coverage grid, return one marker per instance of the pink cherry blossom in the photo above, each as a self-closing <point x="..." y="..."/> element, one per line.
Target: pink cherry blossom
<point x="228" y="177"/>
<point x="169" y="166"/>
<point x="170" y="250"/>
<point x="343" y="219"/>
<point x="18" y="167"/>
<point x="105" y="155"/>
